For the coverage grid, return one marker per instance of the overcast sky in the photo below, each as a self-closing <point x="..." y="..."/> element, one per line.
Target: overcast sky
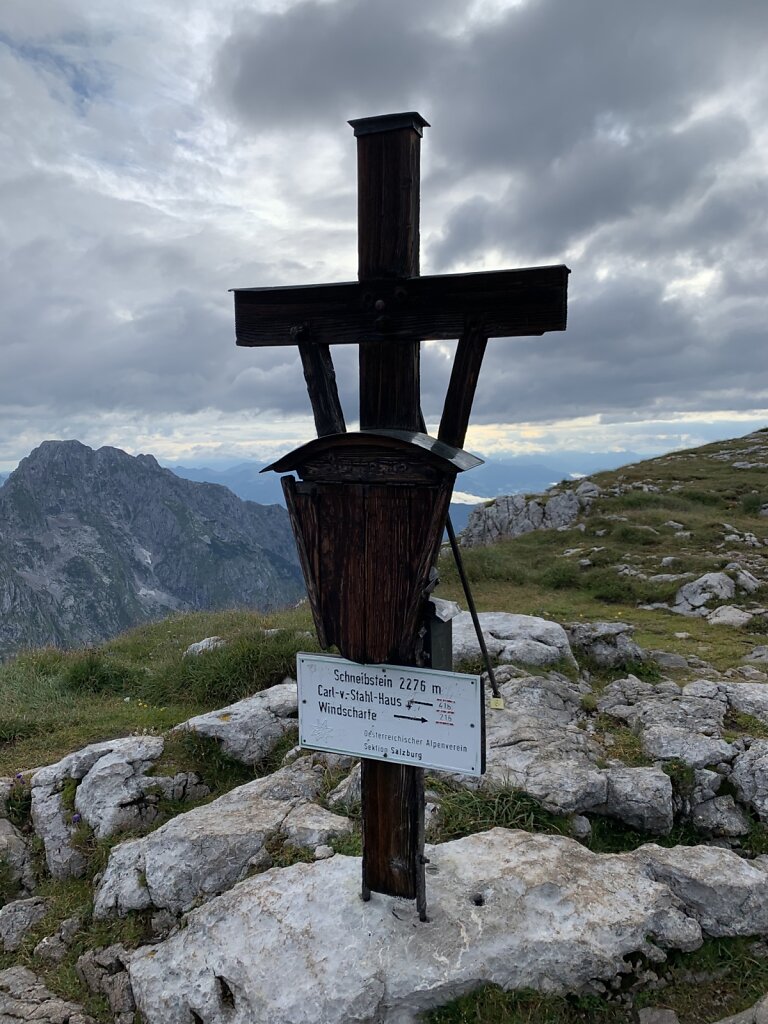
<point x="155" y="154"/>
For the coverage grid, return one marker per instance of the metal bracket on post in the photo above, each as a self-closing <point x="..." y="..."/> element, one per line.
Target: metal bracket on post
<point x="438" y="649"/>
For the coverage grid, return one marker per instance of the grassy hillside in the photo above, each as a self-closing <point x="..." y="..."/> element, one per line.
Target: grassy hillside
<point x="540" y="573"/>
<point x="53" y="702"/>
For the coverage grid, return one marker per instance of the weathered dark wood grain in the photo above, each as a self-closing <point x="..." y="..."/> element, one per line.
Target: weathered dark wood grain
<point x="462" y="386"/>
<point x="388" y="196"/>
<point x="321" y="386"/>
<point x="503" y="303"/>
<point x="388" y="182"/>
<point x="392" y="841"/>
<point x="366" y="551"/>
<point x="305" y="524"/>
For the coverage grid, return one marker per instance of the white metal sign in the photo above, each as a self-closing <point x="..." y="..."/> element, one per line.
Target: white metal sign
<point x="415" y="716"/>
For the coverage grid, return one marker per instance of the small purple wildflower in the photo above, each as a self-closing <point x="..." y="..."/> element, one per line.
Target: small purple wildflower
<point x="76" y="819"/>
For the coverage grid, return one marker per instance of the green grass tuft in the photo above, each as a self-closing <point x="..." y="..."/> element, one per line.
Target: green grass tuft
<point x="464" y="812"/>
<point x="349" y="845"/>
<point x="19" y="807"/>
<point x="491" y="1005"/>
<point x="682" y="776"/>
<point x="739" y="723"/>
<point x="92" y="672"/>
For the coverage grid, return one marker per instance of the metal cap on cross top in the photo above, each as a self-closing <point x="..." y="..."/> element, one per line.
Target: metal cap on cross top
<point x="371" y="507"/>
<point x="389" y="122"/>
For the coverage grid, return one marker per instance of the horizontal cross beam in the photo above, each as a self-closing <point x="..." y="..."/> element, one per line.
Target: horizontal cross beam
<point x="501" y="304"/>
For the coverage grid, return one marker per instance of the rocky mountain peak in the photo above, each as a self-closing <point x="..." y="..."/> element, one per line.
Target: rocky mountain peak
<point x="95" y="541"/>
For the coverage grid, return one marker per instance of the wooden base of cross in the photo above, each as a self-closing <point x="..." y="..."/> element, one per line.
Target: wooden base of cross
<point x="388" y="312"/>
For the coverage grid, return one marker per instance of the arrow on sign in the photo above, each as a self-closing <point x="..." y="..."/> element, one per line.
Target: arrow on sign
<point x="411" y="717"/>
<point x="423" y="703"/>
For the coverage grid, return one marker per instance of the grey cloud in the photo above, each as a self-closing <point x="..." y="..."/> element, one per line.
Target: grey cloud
<point x="598" y="182"/>
<point x="625" y="351"/>
<point x="627" y="132"/>
<point x="317" y="63"/>
<point x="530" y="88"/>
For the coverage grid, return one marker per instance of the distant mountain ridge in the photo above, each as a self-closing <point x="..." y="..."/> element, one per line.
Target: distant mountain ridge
<point x="93" y="542"/>
<point x="519" y="474"/>
<point x="513" y="475"/>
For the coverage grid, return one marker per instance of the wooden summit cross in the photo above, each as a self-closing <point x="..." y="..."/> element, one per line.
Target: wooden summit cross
<point x="388" y="312"/>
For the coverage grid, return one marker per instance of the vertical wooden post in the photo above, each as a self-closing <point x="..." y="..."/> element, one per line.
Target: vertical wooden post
<point x="388" y="182"/>
<point x="388" y="151"/>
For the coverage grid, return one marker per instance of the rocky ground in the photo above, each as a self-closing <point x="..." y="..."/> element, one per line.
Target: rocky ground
<point x="229" y="914"/>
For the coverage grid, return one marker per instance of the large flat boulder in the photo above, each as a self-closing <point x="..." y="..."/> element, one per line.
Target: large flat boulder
<point x="509" y="908"/>
<point x="510" y="637"/>
<point x="205" y="851"/>
<point x="249" y="729"/>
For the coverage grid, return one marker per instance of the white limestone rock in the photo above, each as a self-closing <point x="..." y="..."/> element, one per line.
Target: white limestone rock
<point x="535" y="745"/>
<point x="719" y="817"/>
<point x="607" y="644"/>
<point x="657" y="1015"/>
<point x="669" y="660"/>
<point x="511" y="637"/>
<point x="562" y="509"/>
<point x="750" y="777"/>
<point x="509" y="908"/>
<point x="114" y="793"/>
<point x="749" y="698"/>
<point x="105" y="972"/>
<point x="641" y="798"/>
<point x="309" y="825"/>
<point x="745" y="580"/>
<point x="205" y="851"/>
<point x="757" y="1014"/>
<point x="696" y="749"/>
<point x="14" y="853"/>
<point x="17" y="918"/>
<point x="589" y="489"/>
<point x="723" y="892"/>
<point x="692" y="597"/>
<point x="727" y="615"/>
<point x="53" y="948"/>
<point x="514" y="515"/>
<point x="348" y="791"/>
<point x="506" y="516"/>
<point x="23" y="997"/>
<point x="117" y="794"/>
<point x="50" y="818"/>
<point x="249" y="729"/>
<point x="672" y="723"/>
<point x="6" y="788"/>
<point x="210" y="643"/>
